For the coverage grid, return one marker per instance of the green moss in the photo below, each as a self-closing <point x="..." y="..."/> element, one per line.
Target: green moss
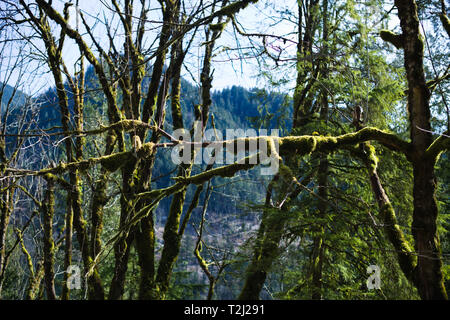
<point x="141" y="66"/>
<point x="371" y="157"/>
<point x="301" y="145"/>
<point x="325" y="143"/>
<point x="111" y="138"/>
<point x="84" y="165"/>
<point x="177" y="117"/>
<point x="114" y="162"/>
<point x="48" y="209"/>
<point x="224" y="171"/>
<point x="146" y="150"/>
<point x="407" y="260"/>
<point x="217" y="27"/>
<point x="272" y="148"/>
<point x="395" y="39"/>
<point x="285" y="171"/>
<point x="49" y="177"/>
<point x="445" y="22"/>
<point x="262" y="260"/>
<point x="172" y="242"/>
<point x="235" y="7"/>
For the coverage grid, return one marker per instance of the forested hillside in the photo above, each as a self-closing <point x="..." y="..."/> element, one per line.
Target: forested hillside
<point x="126" y="174"/>
<point x="230" y="205"/>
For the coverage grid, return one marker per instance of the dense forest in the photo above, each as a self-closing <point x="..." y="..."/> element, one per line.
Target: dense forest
<point x="125" y="173"/>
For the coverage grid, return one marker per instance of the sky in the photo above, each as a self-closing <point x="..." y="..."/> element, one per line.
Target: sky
<point x="229" y="68"/>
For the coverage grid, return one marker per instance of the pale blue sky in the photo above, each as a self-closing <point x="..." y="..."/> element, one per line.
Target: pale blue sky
<point x="230" y="69"/>
<point x="243" y="72"/>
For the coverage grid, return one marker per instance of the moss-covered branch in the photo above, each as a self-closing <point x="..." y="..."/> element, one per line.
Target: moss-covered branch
<point x="396" y="39"/>
<point x="300" y="145"/>
<point x="34" y="282"/>
<point x="25" y="252"/>
<point x="149" y="106"/>
<point x="406" y="258"/>
<point x="33" y="198"/>
<point x="307" y="144"/>
<point x="445" y="22"/>
<point x="198" y="248"/>
<point x="440" y="144"/>
<point x="110" y="162"/>
<point x="125" y="125"/>
<point x="303" y="145"/>
<point x="224" y="171"/>
<point x="433" y="83"/>
<point x="233" y="8"/>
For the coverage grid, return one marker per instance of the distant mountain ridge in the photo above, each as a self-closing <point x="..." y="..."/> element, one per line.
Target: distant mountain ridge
<point x="234" y="107"/>
<point x="7" y="91"/>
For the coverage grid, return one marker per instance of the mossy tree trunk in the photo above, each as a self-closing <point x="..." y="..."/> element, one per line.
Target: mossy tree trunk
<point x="171" y="235"/>
<point x="145" y="231"/>
<point x="48" y="209"/>
<point x="154" y="106"/>
<point x="317" y="257"/>
<point x="130" y="80"/>
<point x="74" y="208"/>
<point x="6" y="203"/>
<point x="265" y="252"/>
<point x="428" y="273"/>
<point x="155" y="283"/>
<point x="323" y="174"/>
<point x="6" y="209"/>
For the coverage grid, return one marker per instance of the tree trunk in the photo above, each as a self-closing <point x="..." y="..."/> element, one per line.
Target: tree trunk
<point x="428" y="275"/>
<point x="319" y="238"/>
<point x="48" y="208"/>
